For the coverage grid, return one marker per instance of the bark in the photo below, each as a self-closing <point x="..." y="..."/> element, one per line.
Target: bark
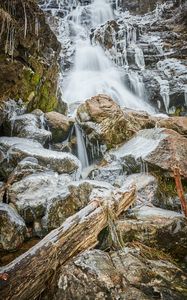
<point x="27" y="276"/>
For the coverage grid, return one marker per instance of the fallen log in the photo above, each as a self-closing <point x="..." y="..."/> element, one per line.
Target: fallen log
<point x="28" y="275"/>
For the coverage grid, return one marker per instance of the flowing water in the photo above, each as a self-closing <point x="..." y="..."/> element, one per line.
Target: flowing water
<point x="92" y="72"/>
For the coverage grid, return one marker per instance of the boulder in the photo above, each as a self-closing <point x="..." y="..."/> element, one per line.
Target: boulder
<point x="32" y="194"/>
<point x="76" y="196"/>
<point x="6" y="143"/>
<point x="59" y="126"/>
<point x="146" y="185"/>
<point x="178" y="124"/>
<point x="28" y="126"/>
<point x="159" y="148"/>
<point x="130" y="273"/>
<point x="104" y="121"/>
<point x="46" y="199"/>
<point x="25" y="167"/>
<point x="158" y="228"/>
<point x="18" y="149"/>
<point x="110" y="172"/>
<point x="12" y="228"/>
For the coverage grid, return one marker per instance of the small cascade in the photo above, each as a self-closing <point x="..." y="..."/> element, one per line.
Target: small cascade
<point x="81" y="147"/>
<point x="144" y="168"/>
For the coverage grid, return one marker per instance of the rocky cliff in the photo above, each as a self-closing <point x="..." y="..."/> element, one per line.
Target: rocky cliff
<point x="28" y="55"/>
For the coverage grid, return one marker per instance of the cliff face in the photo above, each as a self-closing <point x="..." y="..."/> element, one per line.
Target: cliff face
<point x="28" y="55"/>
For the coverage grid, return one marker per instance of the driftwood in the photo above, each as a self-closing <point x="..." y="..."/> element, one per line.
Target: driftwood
<point x="28" y="275"/>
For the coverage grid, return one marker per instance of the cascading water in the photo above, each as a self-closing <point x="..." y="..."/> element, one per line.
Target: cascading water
<point x="93" y="72"/>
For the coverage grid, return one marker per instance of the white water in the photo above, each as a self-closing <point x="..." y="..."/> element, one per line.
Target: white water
<point x="93" y="72"/>
<point x="81" y="148"/>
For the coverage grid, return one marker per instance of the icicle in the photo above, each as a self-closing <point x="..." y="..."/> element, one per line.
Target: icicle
<point x="25" y="16"/>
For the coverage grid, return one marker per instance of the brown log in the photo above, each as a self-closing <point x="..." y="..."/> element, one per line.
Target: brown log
<point x="27" y="276"/>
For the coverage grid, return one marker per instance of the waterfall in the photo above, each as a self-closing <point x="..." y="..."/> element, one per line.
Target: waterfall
<point x="81" y="147"/>
<point x="93" y="71"/>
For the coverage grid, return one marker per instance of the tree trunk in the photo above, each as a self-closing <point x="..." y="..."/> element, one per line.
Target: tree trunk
<point x="27" y="276"/>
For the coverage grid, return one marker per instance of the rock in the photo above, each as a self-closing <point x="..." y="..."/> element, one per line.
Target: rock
<point x="126" y="274"/>
<point x="32" y="194"/>
<point x="48" y="198"/>
<point x="179" y="124"/>
<point x="12" y="228"/>
<point x="18" y="149"/>
<point x="29" y="68"/>
<point x="25" y="167"/>
<point x="158" y="228"/>
<point x="146" y="185"/>
<point x="6" y="143"/>
<point x="139" y="7"/>
<point x="28" y="126"/>
<point x="76" y="195"/>
<point x="111" y="173"/>
<point x="59" y="126"/>
<point x="104" y="121"/>
<point x="159" y="148"/>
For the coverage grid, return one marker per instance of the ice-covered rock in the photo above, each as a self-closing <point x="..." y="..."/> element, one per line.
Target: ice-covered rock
<point x="30" y="126"/>
<point x="157" y="228"/>
<point x="159" y="147"/>
<point x="13" y="150"/>
<point x="12" y="228"/>
<point x="49" y="198"/>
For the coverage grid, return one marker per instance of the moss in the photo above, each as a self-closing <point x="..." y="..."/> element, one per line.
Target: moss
<point x="35" y="80"/>
<point x="166" y="185"/>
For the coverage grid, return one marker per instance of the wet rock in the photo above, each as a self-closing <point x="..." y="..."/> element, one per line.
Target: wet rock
<point x="47" y="199"/>
<point x="103" y="120"/>
<point x="18" y="149"/>
<point x="32" y="194"/>
<point x="111" y="173"/>
<point x="28" y="126"/>
<point x="76" y="196"/>
<point x="146" y="185"/>
<point x="126" y="274"/>
<point x="12" y="228"/>
<point x="25" y="167"/>
<point x="159" y="148"/>
<point x="157" y="228"/>
<point x="59" y="126"/>
<point x="6" y="143"/>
